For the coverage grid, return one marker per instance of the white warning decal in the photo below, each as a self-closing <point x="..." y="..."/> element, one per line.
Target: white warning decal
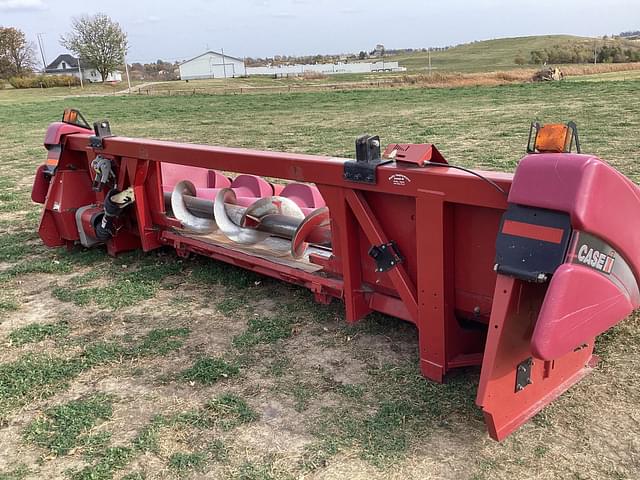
<point x="399" y="179"/>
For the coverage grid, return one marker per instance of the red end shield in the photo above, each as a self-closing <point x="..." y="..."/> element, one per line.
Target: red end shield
<point x="580" y="304"/>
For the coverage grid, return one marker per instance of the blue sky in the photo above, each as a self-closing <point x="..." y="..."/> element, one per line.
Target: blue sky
<point x="178" y="30"/>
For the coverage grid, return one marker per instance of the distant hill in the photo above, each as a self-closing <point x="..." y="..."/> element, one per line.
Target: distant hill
<point x="487" y="55"/>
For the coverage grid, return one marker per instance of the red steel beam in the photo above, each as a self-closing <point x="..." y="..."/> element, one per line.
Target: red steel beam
<point x="458" y="186"/>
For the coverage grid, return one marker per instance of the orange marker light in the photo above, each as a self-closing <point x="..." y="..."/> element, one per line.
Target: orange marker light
<point x="553" y="138"/>
<point x="70" y="116"/>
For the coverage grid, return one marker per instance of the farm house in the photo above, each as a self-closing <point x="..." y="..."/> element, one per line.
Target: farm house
<point x="66" y="64"/>
<point x="212" y="65"/>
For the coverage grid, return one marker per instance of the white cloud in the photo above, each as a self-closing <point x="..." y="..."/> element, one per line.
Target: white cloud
<point x="149" y="19"/>
<point x="21" y="5"/>
<point x="282" y="15"/>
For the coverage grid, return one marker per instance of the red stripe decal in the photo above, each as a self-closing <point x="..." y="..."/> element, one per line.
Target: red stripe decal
<point x="537" y="232"/>
<point x="608" y="265"/>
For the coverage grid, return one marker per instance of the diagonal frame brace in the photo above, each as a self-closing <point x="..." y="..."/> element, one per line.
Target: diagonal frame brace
<point x="375" y="234"/>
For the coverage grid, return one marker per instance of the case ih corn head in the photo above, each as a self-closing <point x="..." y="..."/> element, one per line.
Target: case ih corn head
<point x="514" y="273"/>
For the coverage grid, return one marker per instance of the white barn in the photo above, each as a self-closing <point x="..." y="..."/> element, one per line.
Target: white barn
<point x="212" y="65"/>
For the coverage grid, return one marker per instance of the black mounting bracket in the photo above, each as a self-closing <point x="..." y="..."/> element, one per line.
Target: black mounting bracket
<point x="386" y="256"/>
<point x="523" y="374"/>
<point x="102" y="130"/>
<point x="368" y="158"/>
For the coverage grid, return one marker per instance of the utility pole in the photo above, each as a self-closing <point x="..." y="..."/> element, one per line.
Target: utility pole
<point x="80" y="72"/>
<point x="429" y="55"/>
<point x="41" y="45"/>
<point x="595" y="50"/>
<point x="126" y="69"/>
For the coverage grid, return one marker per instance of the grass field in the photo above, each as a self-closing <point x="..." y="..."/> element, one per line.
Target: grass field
<point x="608" y="76"/>
<point x="486" y="55"/>
<point x="149" y="366"/>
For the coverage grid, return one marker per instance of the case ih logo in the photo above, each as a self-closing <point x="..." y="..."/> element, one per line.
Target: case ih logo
<point x="399" y="179"/>
<point x="595" y="259"/>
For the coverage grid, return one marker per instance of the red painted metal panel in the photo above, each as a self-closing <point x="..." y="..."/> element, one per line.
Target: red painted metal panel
<point x="372" y="229"/>
<point x="460" y="187"/>
<point x="40" y="186"/>
<point x="58" y="130"/>
<point x="515" y="310"/>
<point x="580" y="304"/>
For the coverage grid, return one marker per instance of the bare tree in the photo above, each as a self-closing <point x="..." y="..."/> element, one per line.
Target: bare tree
<point x="17" y="56"/>
<point x="98" y="41"/>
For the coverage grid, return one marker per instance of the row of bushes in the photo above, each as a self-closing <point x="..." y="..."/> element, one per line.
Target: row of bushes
<point x="44" y="81"/>
<point x="559" y="54"/>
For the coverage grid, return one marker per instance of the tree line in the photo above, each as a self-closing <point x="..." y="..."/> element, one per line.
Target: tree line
<point x="612" y="51"/>
<point x="158" y="70"/>
<point x="331" y="58"/>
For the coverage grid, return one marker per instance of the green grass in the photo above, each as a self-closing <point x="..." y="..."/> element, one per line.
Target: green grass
<point x="36" y="332"/>
<point x="126" y="287"/>
<point x="8" y="305"/>
<point x="208" y="371"/>
<point x="133" y="476"/>
<point x="264" y="330"/>
<point x="607" y="77"/>
<point x="34" y="376"/>
<point x="382" y="418"/>
<point x="147" y="439"/>
<point x="351" y="391"/>
<point x="218" y="450"/>
<point x="280" y="365"/>
<point x="15" y="246"/>
<point x="302" y="393"/>
<point x="203" y="272"/>
<point x="161" y="341"/>
<point x="226" y="412"/>
<point x="183" y="462"/>
<point x="231" y="305"/>
<point x="38" y="265"/>
<point x="251" y="471"/>
<point x="66" y="426"/>
<point x="111" y="460"/>
<point x="229" y="411"/>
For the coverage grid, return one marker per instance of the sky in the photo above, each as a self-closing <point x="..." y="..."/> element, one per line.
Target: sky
<point x="177" y="30"/>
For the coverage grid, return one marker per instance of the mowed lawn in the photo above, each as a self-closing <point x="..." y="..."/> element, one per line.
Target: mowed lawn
<point x="150" y="366"/>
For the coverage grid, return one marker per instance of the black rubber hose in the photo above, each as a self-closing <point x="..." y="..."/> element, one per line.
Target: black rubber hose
<point x="104" y="224"/>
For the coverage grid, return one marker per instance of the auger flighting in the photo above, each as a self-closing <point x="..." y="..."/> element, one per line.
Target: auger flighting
<point x="298" y="214"/>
